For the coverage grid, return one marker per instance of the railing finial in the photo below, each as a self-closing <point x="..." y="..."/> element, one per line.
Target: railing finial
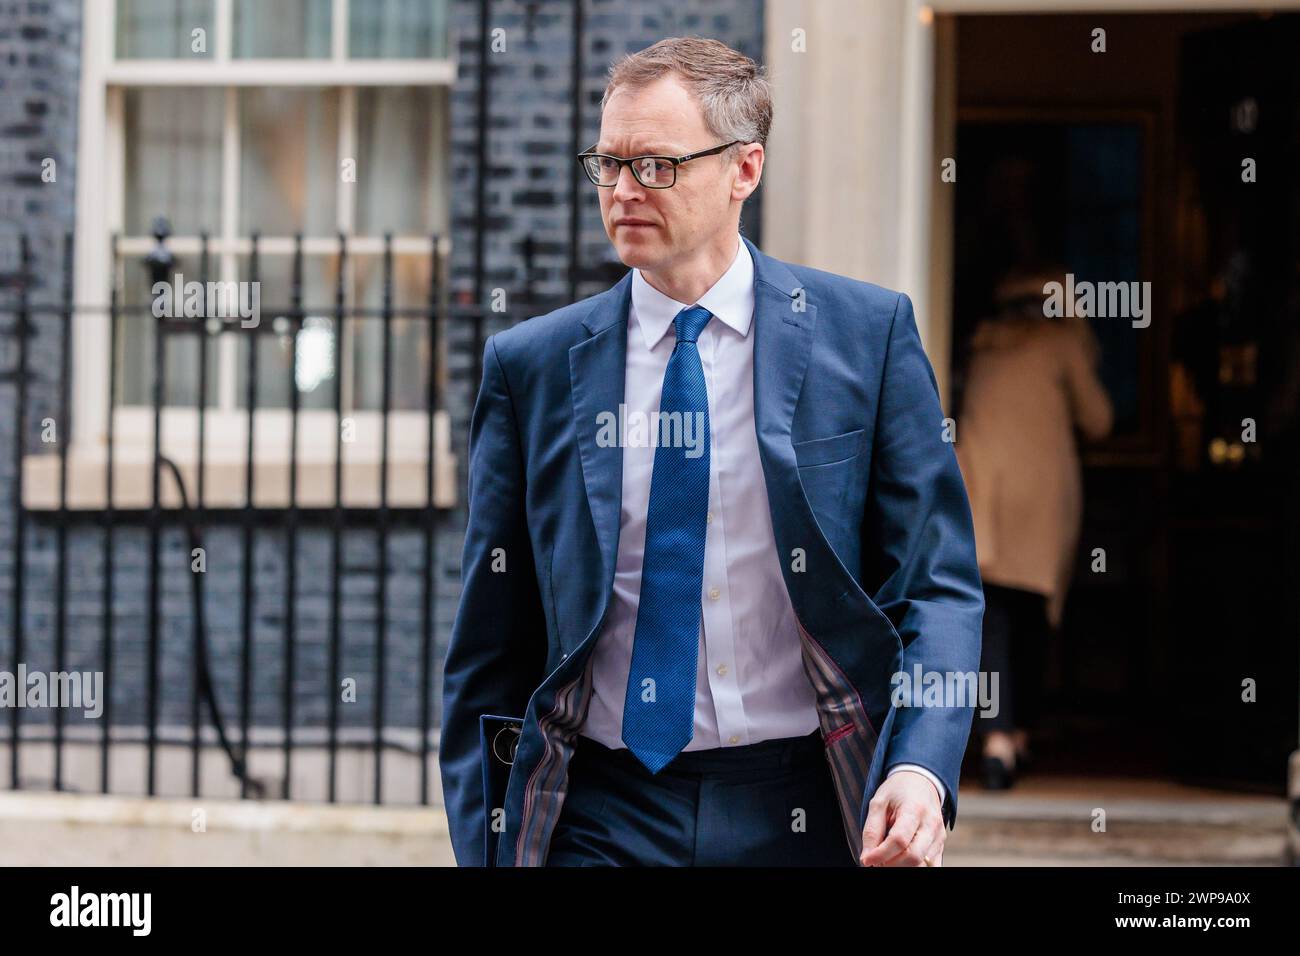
<point x="160" y="260"/>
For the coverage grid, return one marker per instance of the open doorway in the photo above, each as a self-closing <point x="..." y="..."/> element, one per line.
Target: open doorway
<point x="1168" y="157"/>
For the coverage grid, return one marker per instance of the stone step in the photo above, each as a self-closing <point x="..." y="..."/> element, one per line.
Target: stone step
<point x="1115" y="821"/>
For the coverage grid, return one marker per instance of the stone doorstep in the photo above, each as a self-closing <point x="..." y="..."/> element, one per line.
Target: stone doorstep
<point x="1153" y="830"/>
<point x="1172" y="841"/>
<point x="1252" y="813"/>
<point x="224" y="814"/>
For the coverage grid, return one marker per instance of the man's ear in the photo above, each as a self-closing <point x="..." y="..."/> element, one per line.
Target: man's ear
<point x="758" y="176"/>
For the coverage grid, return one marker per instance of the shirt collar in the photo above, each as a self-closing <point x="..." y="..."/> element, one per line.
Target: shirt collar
<point x="731" y="299"/>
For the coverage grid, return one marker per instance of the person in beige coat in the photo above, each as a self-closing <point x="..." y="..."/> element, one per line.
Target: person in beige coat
<point x="1030" y="381"/>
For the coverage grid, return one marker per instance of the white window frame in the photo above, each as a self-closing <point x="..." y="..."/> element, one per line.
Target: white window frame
<point x="100" y="206"/>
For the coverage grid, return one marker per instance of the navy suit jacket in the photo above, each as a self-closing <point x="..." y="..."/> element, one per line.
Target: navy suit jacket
<point x="870" y="515"/>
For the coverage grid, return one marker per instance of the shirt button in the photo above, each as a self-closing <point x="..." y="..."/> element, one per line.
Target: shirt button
<point x="713" y="593"/>
<point x="708" y="517"/>
<point x="733" y="739"/>
<point x="722" y="670"/>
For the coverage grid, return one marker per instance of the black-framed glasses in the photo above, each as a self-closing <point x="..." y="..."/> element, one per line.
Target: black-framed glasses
<point x="652" y="172"/>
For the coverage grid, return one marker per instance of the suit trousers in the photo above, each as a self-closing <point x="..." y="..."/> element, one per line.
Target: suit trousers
<point x="766" y="804"/>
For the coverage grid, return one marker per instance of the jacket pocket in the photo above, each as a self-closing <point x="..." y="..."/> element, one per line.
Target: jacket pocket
<point x="824" y="451"/>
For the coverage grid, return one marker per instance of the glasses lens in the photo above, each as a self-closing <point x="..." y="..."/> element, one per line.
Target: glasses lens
<point x="655" y="173"/>
<point x="600" y="171"/>
<point x="652" y="173"/>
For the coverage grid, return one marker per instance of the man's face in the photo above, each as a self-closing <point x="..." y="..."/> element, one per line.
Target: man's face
<point x="663" y="119"/>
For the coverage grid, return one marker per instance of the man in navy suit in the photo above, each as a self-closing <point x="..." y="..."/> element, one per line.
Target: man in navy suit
<point x="715" y="525"/>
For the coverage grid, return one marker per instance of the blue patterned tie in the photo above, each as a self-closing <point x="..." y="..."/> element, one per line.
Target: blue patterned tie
<point x="659" y="709"/>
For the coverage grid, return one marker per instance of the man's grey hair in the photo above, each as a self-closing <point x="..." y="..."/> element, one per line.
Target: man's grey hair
<point x="733" y="91"/>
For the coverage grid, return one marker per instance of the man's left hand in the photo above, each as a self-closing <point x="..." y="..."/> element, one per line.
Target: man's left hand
<point x="904" y="823"/>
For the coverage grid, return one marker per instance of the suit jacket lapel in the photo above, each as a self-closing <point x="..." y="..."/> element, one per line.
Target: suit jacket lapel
<point x="597" y="368"/>
<point x="783" y="329"/>
<point x="784" y="325"/>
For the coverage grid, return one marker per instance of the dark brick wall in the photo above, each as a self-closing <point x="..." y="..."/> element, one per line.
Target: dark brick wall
<point x="40" y="44"/>
<point x="40" y="48"/>
<point x="528" y="195"/>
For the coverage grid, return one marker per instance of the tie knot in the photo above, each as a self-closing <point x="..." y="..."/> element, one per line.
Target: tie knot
<point x="690" y="322"/>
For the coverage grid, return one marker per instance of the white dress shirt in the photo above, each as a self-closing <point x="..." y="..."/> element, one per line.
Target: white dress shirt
<point x="750" y="683"/>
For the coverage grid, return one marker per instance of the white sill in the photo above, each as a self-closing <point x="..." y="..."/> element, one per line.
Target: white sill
<point x="225" y="469"/>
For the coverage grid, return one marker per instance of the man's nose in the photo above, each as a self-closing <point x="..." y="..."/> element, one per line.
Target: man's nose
<point x="626" y="186"/>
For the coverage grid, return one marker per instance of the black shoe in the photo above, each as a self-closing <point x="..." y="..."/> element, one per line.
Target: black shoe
<point x="995" y="774"/>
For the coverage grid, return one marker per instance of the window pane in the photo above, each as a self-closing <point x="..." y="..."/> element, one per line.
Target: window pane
<point x="410" y="342"/>
<point x="135" y="356"/>
<point x="164" y="29"/>
<point x="397" y="29"/>
<point x="401" y="160"/>
<point x="288" y="173"/>
<point x="317" y="353"/>
<point x="292" y="28"/>
<point x="173" y="159"/>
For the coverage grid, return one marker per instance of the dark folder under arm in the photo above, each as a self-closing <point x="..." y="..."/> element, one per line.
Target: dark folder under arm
<point x="498" y="738"/>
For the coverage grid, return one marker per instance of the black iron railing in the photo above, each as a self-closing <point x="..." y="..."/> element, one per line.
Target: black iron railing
<point x="24" y="382"/>
<point x="195" y="516"/>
